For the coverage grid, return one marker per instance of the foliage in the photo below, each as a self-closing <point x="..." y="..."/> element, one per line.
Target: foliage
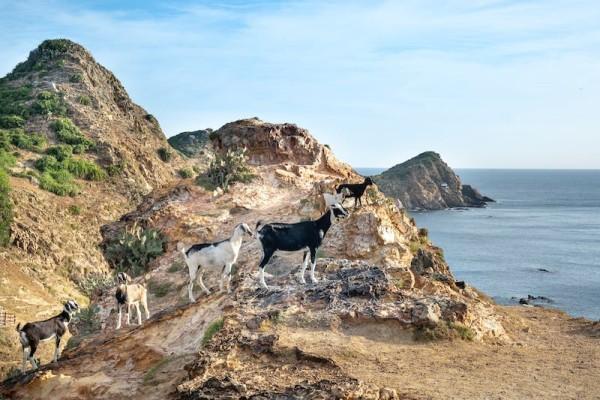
<point x="84" y="100"/>
<point x="165" y="154"/>
<point x="159" y="289"/>
<point x="60" y="152"/>
<point x="67" y="132"/>
<point x="134" y="249"/>
<point x="95" y="283"/>
<point x="84" y="169"/>
<point x="59" y="182"/>
<point x="18" y="138"/>
<point x="6" y="213"/>
<point x="7" y="160"/>
<point x="49" y="103"/>
<point x="150" y="118"/>
<point x="186" y="173"/>
<point x="11" y="121"/>
<point x="226" y="169"/>
<point x="74" y="209"/>
<point x="115" y="169"/>
<point x="76" y="78"/>
<point x="86" y="322"/>
<point x="13" y="100"/>
<point x="423" y="232"/>
<point x="212" y="330"/>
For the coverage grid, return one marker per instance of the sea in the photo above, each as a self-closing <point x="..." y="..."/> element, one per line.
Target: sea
<point x="540" y="238"/>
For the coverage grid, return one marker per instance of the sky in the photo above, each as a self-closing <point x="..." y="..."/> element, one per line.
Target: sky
<point x="486" y="83"/>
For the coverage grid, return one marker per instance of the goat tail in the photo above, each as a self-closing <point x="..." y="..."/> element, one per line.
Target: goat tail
<point x="19" y="327"/>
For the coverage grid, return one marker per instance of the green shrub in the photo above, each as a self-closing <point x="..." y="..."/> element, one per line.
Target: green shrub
<point x="84" y="169"/>
<point x="76" y="78"/>
<point x="134" y="248"/>
<point x="19" y="138"/>
<point x="444" y="331"/>
<point x="13" y="100"/>
<point x="59" y="182"/>
<point x="186" y="173"/>
<point x="67" y="132"/>
<point x="226" y="169"/>
<point x="60" y="152"/>
<point x="7" y="160"/>
<point x="95" y="284"/>
<point x="165" y="154"/>
<point x="6" y="214"/>
<point x="74" y="209"/>
<point x="84" y="100"/>
<point x="48" y="103"/>
<point x="86" y="322"/>
<point x="46" y="163"/>
<point x="150" y="117"/>
<point x="79" y="149"/>
<point x="11" y="121"/>
<point x="115" y="169"/>
<point x="212" y="330"/>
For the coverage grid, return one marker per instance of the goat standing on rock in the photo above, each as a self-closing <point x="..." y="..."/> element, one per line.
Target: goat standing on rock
<point x="130" y="295"/>
<point x="294" y="237"/>
<point x="32" y="333"/>
<point x="221" y="254"/>
<point x="356" y="189"/>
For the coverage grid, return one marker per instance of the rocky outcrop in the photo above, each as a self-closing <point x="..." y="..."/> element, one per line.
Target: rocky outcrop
<point x="426" y="182"/>
<point x="192" y="143"/>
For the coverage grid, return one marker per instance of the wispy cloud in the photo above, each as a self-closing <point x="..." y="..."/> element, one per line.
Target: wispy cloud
<point x="486" y="83"/>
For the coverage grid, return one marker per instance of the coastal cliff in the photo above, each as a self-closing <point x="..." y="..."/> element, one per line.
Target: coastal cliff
<point x="426" y="182"/>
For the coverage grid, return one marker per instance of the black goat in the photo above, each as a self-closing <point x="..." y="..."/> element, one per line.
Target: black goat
<point x="356" y="189"/>
<point x="32" y="333"/>
<point x="294" y="237"/>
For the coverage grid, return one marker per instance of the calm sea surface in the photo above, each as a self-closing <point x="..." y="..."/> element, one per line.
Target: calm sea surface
<point x="543" y="219"/>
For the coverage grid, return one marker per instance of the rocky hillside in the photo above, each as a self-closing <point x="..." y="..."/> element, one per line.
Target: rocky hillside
<point x="426" y="182"/>
<point x="192" y="144"/>
<point x="79" y="153"/>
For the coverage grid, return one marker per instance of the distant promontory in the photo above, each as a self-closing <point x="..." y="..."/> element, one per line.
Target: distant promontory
<point x="426" y="182"/>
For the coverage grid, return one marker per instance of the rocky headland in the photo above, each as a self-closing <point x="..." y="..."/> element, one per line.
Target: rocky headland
<point x="426" y="182"/>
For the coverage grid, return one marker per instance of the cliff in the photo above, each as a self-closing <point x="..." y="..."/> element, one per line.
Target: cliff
<point x="426" y="182"/>
<point x="191" y="143"/>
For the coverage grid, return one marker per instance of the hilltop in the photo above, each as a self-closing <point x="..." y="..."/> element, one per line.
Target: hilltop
<point x="426" y="182"/>
<point x="78" y="153"/>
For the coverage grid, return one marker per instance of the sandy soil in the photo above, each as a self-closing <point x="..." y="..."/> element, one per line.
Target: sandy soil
<point x="553" y="356"/>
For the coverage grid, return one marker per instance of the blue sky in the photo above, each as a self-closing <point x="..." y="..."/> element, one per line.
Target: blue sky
<point x="487" y="83"/>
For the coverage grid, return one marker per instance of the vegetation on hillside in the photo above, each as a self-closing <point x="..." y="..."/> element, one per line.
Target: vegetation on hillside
<point x="134" y="248"/>
<point x="226" y="169"/>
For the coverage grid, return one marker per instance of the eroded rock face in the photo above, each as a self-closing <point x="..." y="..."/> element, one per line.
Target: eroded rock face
<point x="426" y="182"/>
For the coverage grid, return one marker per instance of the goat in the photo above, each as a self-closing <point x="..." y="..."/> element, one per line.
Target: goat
<point x="32" y="333"/>
<point x="294" y="237"/>
<point x="335" y="198"/>
<point x="130" y="294"/>
<point x="356" y="189"/>
<point x="221" y="254"/>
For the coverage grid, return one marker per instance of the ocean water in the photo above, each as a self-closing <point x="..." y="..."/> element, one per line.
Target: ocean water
<point x="543" y="219"/>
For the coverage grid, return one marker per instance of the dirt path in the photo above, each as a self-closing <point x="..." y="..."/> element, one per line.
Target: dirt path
<point x="553" y="356"/>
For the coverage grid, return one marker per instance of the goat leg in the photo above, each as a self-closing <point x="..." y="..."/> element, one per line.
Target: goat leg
<point x="304" y="265"/>
<point x="201" y="282"/>
<point x="313" y="258"/>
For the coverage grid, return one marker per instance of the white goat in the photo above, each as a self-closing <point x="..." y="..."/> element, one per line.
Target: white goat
<point x="221" y="254"/>
<point x="331" y="199"/>
<point x="130" y="294"/>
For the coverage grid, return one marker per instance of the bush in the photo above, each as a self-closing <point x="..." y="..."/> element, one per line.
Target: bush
<point x="46" y="163"/>
<point x="423" y="232"/>
<point x="74" y="209"/>
<point x="444" y="331"/>
<point x="11" y="121"/>
<point x="13" y="100"/>
<point x="115" y="169"/>
<point x="159" y="289"/>
<point x="226" y="169"/>
<point x="60" y="152"/>
<point x="85" y="323"/>
<point x="165" y="154"/>
<point x="84" y="169"/>
<point x="84" y="100"/>
<point x="134" y="249"/>
<point x="212" y="330"/>
<point x="7" y="160"/>
<point x="59" y="182"/>
<point x="186" y="173"/>
<point x="49" y="103"/>
<point x="67" y="132"/>
<point x="6" y="214"/>
<point x="76" y="78"/>
<point x="19" y="138"/>
<point x="95" y="283"/>
<point x="79" y="149"/>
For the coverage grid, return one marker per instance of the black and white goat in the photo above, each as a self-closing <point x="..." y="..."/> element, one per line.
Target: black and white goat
<point x="130" y="294"/>
<point x="215" y="255"/>
<point x="356" y="189"/>
<point x="298" y="236"/>
<point x="32" y="333"/>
